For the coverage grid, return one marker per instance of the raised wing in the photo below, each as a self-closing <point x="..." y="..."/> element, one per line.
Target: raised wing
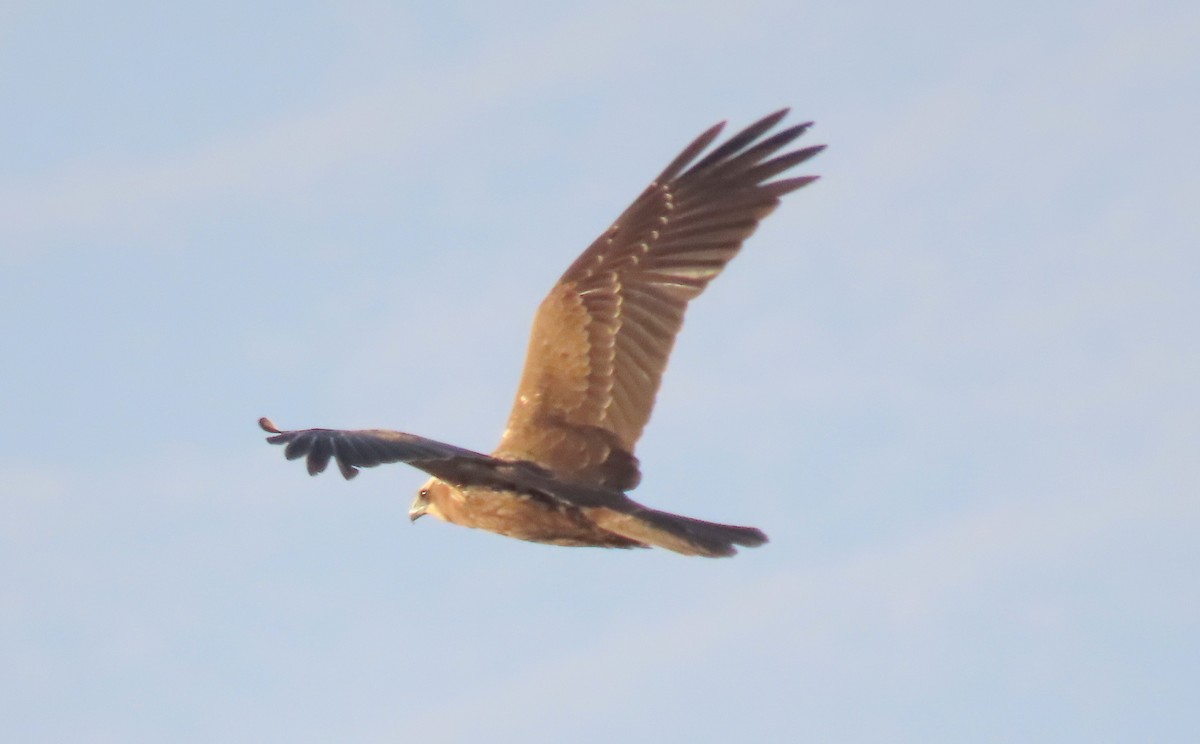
<point x="602" y="337"/>
<point x="366" y="448"/>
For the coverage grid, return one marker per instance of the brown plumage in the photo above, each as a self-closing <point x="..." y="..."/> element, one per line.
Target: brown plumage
<point x="596" y="356"/>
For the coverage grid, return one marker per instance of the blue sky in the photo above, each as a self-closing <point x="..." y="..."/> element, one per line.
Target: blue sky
<point x="954" y="380"/>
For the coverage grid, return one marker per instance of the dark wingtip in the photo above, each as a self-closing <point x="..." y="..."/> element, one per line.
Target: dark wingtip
<point x="348" y="471"/>
<point x="788" y="185"/>
<point x="268" y="426"/>
<point x="778" y="116"/>
<point x="753" y="538"/>
<point x="314" y="466"/>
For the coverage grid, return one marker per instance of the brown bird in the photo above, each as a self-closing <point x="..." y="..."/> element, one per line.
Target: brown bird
<point x="599" y="346"/>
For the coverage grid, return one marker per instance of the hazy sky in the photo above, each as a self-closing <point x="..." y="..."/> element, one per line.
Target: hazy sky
<point x="955" y="380"/>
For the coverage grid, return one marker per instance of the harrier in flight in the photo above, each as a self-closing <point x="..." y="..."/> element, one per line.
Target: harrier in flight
<point x="599" y="346"/>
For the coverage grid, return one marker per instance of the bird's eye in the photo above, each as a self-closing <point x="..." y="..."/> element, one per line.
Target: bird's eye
<point x="423" y="493"/>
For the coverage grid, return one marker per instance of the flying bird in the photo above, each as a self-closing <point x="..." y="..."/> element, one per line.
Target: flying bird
<point x="596" y="356"/>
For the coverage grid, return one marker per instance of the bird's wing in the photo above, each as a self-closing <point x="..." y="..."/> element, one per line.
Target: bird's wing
<point x="602" y="336"/>
<point x="609" y="509"/>
<point x="366" y="448"/>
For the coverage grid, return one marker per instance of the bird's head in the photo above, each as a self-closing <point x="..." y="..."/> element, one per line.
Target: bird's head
<point x="428" y="497"/>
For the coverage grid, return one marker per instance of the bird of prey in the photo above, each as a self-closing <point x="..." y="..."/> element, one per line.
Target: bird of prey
<point x="596" y="356"/>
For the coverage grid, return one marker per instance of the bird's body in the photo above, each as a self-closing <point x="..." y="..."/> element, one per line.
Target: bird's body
<point x="599" y="346"/>
<point x="521" y="515"/>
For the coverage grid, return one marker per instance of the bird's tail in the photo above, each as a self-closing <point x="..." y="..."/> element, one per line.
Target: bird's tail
<point x="680" y="534"/>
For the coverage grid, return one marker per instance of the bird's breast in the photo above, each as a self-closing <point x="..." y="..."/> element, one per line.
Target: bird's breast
<point x="524" y="517"/>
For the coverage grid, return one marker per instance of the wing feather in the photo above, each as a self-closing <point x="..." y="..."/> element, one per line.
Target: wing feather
<point x="602" y="337"/>
<point x="367" y="448"/>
